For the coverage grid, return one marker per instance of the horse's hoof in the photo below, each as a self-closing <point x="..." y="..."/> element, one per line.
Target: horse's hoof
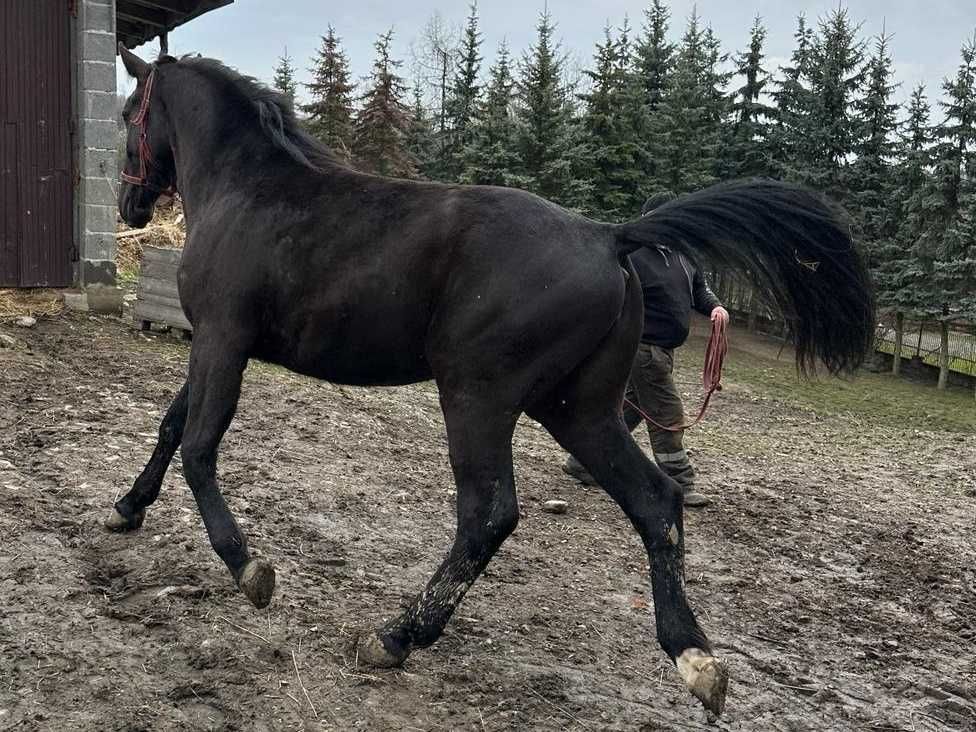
<point x="258" y="582"/>
<point x="118" y="522"/>
<point x="370" y="650"/>
<point x="706" y="677"/>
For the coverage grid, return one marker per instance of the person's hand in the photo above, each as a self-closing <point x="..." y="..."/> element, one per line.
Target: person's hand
<point x="720" y="315"/>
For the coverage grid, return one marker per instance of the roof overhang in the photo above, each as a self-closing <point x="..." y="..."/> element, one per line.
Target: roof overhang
<point x="138" y="21"/>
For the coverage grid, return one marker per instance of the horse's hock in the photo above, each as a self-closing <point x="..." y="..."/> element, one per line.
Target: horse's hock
<point x="157" y="296"/>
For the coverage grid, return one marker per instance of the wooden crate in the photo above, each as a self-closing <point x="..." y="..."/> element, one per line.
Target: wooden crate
<point x="157" y="296"/>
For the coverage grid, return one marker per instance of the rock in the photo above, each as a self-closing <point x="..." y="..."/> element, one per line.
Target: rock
<point x="7" y="341"/>
<point x="104" y="299"/>
<point x="25" y="321"/>
<point x="555" y="506"/>
<point x="334" y="562"/>
<point x="76" y="300"/>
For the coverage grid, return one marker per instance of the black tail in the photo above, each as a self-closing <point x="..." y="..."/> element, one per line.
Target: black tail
<point x="790" y="242"/>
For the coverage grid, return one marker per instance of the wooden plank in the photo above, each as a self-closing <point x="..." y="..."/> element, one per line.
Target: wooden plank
<point x="160" y="313"/>
<point x="161" y="254"/>
<point x="170" y="302"/>
<point x="155" y="286"/>
<point x="161" y="260"/>
<point x="159" y="270"/>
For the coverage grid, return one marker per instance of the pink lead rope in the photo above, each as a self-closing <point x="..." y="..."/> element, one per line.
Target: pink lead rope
<point x="718" y="347"/>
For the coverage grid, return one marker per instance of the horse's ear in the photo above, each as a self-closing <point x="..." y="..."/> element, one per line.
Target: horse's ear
<point x="137" y="68"/>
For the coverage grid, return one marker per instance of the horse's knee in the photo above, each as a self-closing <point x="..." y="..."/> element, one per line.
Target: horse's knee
<point x="485" y="526"/>
<point x="503" y="517"/>
<point x="170" y="432"/>
<point x="199" y="466"/>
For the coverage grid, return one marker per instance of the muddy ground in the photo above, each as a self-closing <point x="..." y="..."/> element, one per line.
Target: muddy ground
<point x="835" y="572"/>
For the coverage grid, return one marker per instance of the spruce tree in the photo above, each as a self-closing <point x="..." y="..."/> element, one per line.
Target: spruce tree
<point x="614" y="152"/>
<point x="946" y="244"/>
<point x="549" y="140"/>
<point x="836" y="76"/>
<point x="748" y="151"/>
<point x="421" y="138"/>
<point x="284" y="77"/>
<point x="463" y="95"/>
<point x="899" y="280"/>
<point x="654" y="60"/>
<point x="491" y="157"/>
<point x="383" y="123"/>
<point x="330" y="110"/>
<point x="687" y="125"/>
<point x="654" y="54"/>
<point x="790" y="136"/>
<point x="914" y="164"/>
<point x="871" y="182"/>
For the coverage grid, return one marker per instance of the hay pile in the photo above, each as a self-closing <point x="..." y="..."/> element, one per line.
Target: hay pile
<point x="36" y="303"/>
<point x="167" y="229"/>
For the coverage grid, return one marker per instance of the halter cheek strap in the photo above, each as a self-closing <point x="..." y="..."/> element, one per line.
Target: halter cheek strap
<point x="141" y="120"/>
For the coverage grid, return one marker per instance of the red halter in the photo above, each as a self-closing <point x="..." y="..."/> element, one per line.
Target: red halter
<point x="141" y="120"/>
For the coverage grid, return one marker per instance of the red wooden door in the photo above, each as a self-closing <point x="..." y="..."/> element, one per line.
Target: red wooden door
<point x="36" y="187"/>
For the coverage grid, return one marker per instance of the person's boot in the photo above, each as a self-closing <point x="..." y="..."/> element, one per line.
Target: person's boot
<point x="681" y="471"/>
<point x="695" y="499"/>
<point x="574" y="468"/>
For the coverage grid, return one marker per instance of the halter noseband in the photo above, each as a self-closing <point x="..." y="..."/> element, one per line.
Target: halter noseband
<point x="141" y="120"/>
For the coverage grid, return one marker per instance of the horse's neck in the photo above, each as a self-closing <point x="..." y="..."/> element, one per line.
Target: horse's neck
<point x="206" y="164"/>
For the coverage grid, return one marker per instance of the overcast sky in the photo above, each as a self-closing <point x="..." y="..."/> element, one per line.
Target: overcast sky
<point x="251" y="34"/>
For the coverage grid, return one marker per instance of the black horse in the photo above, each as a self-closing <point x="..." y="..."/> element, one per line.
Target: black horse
<point x="511" y="303"/>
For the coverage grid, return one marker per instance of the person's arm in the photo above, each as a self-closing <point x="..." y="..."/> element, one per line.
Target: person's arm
<point x="704" y="299"/>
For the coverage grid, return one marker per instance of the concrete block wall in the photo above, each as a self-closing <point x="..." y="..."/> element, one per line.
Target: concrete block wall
<point x="98" y="138"/>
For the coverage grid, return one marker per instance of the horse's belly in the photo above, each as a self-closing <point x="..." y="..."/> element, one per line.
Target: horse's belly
<point x="361" y="354"/>
<point x="378" y="369"/>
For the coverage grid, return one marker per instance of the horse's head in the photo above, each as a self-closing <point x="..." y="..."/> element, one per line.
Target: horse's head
<point x="149" y="169"/>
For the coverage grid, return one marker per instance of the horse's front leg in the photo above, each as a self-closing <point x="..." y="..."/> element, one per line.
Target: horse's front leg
<point x="216" y="369"/>
<point x="130" y="511"/>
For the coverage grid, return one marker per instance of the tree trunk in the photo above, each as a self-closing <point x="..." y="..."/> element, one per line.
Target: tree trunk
<point x="753" y="309"/>
<point x="944" y="355"/>
<point x="899" y="336"/>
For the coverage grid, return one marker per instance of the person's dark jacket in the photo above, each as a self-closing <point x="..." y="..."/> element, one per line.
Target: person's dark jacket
<point x="672" y="286"/>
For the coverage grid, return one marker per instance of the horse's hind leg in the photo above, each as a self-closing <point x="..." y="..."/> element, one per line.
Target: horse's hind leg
<point x="653" y="503"/>
<point x="216" y="369"/>
<point x="480" y="443"/>
<point x="130" y="511"/>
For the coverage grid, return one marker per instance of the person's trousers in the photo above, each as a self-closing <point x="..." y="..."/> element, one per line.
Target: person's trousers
<point x="652" y="388"/>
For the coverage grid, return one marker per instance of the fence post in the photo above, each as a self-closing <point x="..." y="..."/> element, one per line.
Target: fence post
<point x="899" y="335"/>
<point x="944" y="354"/>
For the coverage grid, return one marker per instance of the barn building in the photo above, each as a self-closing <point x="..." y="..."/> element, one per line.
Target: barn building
<point x="59" y="135"/>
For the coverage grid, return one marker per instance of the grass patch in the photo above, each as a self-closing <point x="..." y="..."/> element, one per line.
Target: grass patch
<point x="879" y="397"/>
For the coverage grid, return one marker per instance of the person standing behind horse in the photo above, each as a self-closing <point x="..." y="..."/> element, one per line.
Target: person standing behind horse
<point x="672" y="285"/>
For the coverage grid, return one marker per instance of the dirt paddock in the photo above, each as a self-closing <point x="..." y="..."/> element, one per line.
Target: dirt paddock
<point x="835" y="572"/>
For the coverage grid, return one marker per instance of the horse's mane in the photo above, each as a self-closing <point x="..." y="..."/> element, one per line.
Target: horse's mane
<point x="275" y="113"/>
